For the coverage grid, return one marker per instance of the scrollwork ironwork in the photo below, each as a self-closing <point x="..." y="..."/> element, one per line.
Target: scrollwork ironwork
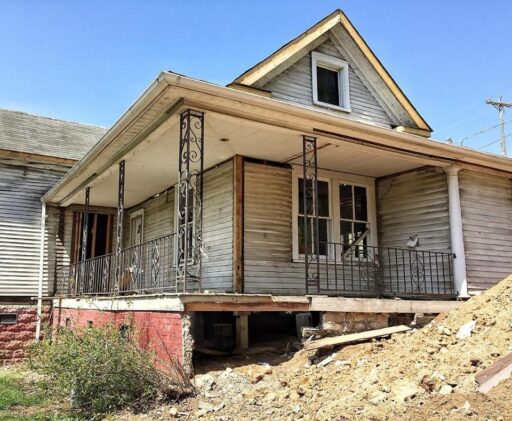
<point x="311" y="223"/>
<point x="190" y="200"/>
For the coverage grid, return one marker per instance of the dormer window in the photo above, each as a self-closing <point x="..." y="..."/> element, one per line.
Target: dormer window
<point x="330" y="82"/>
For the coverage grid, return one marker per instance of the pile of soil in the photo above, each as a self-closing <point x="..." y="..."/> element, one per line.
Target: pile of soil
<point x="422" y="374"/>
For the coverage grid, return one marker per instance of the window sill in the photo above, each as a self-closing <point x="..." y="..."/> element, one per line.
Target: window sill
<point x="332" y="107"/>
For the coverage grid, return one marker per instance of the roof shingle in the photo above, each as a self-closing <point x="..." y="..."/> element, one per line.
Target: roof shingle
<point x="22" y="132"/>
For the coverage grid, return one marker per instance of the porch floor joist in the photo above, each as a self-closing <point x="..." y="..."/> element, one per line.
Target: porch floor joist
<point x="254" y="302"/>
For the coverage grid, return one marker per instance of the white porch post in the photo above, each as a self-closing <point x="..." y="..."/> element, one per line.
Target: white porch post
<point x="456" y="232"/>
<point x="41" y="271"/>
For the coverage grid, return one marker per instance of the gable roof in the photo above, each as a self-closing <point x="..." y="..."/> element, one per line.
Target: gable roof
<point x="293" y="50"/>
<point x="31" y="134"/>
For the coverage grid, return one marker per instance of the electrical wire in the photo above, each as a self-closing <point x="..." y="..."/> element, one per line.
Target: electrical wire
<point x="483" y="131"/>
<point x="493" y="142"/>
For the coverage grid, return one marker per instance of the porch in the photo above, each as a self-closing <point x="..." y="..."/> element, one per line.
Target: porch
<point x="255" y="208"/>
<point x="358" y="271"/>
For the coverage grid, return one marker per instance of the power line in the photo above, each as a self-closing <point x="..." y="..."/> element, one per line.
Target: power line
<point x="494" y="141"/>
<point x="482" y="131"/>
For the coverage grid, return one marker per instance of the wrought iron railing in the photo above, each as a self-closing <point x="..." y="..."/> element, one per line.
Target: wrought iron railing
<point x="384" y="271"/>
<point x="142" y="268"/>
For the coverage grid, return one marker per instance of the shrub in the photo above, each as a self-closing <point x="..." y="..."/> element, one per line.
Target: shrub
<point x="102" y="370"/>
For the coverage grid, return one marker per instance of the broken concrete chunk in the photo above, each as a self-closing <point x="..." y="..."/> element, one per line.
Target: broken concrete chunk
<point x="445" y="389"/>
<point x="465" y="330"/>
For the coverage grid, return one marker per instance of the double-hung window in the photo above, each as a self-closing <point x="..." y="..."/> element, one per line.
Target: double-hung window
<point x="330" y="82"/>
<point x="354" y="223"/>
<point x="346" y="213"/>
<point x="323" y="218"/>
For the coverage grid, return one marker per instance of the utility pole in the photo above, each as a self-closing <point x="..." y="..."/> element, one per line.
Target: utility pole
<point x="500" y="106"/>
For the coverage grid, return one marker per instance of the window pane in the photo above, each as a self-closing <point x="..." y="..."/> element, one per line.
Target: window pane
<point x="359" y="231"/>
<point x="327" y="85"/>
<point x="323" y="197"/>
<point x="346" y="233"/>
<point x="322" y="235"/>
<point x="346" y="202"/>
<point x="361" y="208"/>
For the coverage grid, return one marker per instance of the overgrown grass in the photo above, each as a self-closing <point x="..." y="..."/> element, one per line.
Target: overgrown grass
<point x="15" y="392"/>
<point x="25" y="397"/>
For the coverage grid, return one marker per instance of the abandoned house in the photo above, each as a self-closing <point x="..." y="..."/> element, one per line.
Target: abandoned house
<point x="309" y="185"/>
<point x="35" y="152"/>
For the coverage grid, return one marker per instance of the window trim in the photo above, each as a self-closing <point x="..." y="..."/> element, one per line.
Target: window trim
<point x="334" y="64"/>
<point x="334" y="178"/>
<point x="133" y="215"/>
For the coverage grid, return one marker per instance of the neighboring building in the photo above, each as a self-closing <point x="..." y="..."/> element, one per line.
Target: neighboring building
<point x="396" y="214"/>
<point x="35" y="152"/>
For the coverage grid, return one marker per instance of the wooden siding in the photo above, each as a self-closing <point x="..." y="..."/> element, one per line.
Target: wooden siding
<point x="21" y="188"/>
<point x="159" y="217"/>
<point x="218" y="228"/>
<point x="295" y="85"/>
<point x="414" y="203"/>
<point x="268" y="266"/>
<point x="486" y="203"/>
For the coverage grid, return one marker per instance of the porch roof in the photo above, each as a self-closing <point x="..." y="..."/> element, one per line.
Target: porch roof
<point x="147" y="136"/>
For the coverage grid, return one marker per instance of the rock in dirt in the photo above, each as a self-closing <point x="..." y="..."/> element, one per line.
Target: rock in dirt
<point x="446" y="389"/>
<point x="465" y="330"/>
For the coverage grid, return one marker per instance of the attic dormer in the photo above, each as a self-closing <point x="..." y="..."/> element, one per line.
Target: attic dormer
<point x="330" y="68"/>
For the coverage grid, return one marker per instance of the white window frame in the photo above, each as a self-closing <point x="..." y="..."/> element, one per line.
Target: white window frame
<point x="133" y="215"/>
<point x="337" y="65"/>
<point x="334" y="178"/>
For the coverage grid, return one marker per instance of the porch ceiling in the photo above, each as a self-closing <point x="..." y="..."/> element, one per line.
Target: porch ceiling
<point x="152" y="166"/>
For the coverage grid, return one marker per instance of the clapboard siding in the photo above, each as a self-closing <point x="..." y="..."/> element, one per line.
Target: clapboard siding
<point x="21" y="188"/>
<point x="414" y="203"/>
<point x="295" y="85"/>
<point x="159" y="217"/>
<point x="486" y="203"/>
<point x="218" y="228"/>
<point x="268" y="266"/>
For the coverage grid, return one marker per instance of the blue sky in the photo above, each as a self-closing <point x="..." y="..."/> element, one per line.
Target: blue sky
<point x="89" y="60"/>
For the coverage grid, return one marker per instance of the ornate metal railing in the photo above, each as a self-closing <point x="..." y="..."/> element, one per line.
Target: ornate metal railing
<point x="383" y="271"/>
<point x="142" y="268"/>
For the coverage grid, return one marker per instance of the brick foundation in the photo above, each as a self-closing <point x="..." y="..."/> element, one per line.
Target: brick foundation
<point x="340" y="323"/>
<point x="162" y="332"/>
<point x="16" y="337"/>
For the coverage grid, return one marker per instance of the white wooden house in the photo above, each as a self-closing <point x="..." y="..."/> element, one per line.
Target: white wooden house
<point x="201" y="193"/>
<point x="35" y="152"/>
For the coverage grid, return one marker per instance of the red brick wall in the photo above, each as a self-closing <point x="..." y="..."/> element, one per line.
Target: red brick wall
<point x="15" y="338"/>
<point x="160" y="332"/>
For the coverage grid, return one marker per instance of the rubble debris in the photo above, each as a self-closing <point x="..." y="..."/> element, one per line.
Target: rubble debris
<point x="354" y="337"/>
<point x="465" y="330"/>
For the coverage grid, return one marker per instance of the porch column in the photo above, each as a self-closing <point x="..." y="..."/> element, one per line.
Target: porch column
<point x="456" y="232"/>
<point x="310" y="201"/>
<point x="85" y="230"/>
<point x="119" y="227"/>
<point x="190" y="200"/>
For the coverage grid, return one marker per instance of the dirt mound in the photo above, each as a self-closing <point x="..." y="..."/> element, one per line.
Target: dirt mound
<point x="425" y="374"/>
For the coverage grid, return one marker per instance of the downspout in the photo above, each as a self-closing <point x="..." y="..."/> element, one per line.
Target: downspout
<point x="41" y="271"/>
